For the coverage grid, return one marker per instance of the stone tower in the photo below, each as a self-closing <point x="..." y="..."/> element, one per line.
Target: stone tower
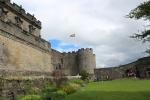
<point x="86" y="60"/>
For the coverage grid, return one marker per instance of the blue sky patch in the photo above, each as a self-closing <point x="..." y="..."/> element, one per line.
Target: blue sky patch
<point x="58" y="44"/>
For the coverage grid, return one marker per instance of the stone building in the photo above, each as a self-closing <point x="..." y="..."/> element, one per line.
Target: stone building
<point x="23" y="50"/>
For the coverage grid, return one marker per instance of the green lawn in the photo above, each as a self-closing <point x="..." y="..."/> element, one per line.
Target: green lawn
<point x="125" y="89"/>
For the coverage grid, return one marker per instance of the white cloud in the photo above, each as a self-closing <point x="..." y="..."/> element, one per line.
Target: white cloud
<point x="100" y="24"/>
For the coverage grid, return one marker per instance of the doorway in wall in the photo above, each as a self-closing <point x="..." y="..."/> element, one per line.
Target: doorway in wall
<point x="148" y="73"/>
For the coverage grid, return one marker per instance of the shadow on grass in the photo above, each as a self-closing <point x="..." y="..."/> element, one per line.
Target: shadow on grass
<point x="113" y="95"/>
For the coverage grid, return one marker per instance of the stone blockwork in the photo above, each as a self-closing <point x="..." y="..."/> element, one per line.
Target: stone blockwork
<point x="70" y="63"/>
<point x="56" y="58"/>
<point x="24" y="57"/>
<point x="12" y="31"/>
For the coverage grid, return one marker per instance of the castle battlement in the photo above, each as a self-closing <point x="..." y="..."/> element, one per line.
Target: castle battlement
<point x="19" y="10"/>
<point x="71" y="52"/>
<point x="85" y="50"/>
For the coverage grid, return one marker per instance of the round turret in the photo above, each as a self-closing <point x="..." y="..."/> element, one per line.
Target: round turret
<point x="86" y="60"/>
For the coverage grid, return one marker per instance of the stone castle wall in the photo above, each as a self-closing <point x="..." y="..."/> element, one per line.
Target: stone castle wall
<point x="141" y="68"/>
<point x="21" y="56"/>
<point x="22" y="51"/>
<point x="56" y="59"/>
<point x="14" y="32"/>
<point x="108" y="73"/>
<point x="22" y="48"/>
<point x="72" y="63"/>
<point x="65" y="61"/>
<point x="27" y="52"/>
<point x="113" y="72"/>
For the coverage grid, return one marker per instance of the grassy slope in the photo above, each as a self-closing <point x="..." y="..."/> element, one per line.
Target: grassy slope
<point x="126" y="89"/>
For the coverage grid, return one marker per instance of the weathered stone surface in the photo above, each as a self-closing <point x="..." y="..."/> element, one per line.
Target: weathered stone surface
<point x="10" y="88"/>
<point x="16" y="10"/>
<point x="24" y="57"/>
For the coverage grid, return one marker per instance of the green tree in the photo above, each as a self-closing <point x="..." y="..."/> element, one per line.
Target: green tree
<point x="142" y="11"/>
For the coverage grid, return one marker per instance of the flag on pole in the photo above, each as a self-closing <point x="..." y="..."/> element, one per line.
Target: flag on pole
<point x="73" y="35"/>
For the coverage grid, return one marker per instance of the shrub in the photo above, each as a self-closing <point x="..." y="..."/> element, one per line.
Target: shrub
<point x="84" y="75"/>
<point x="49" y="88"/>
<point x="68" y="89"/>
<point x="28" y="88"/>
<point x="75" y="86"/>
<point x="48" y="92"/>
<point x="59" y="95"/>
<point x="77" y="81"/>
<point x="31" y="97"/>
<point x="51" y="92"/>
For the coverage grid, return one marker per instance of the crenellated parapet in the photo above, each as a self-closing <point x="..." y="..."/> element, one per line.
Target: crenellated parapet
<point x="85" y="50"/>
<point x="69" y="53"/>
<point x="21" y="12"/>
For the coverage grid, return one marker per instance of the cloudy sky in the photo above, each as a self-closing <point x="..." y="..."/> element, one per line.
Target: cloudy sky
<point x="98" y="24"/>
